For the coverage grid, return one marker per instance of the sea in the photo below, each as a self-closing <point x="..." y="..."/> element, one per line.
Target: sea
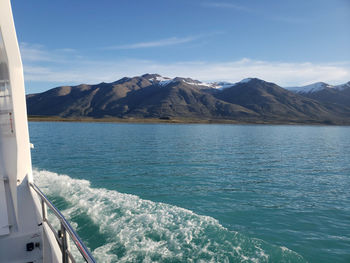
<point x="199" y="192"/>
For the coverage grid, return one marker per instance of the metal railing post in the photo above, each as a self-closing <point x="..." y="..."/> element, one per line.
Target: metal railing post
<point x="65" y="258"/>
<point x="44" y="209"/>
<point x="68" y="246"/>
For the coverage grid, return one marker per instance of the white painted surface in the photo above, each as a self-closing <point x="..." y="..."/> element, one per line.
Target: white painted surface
<point x="20" y="209"/>
<point x="15" y="160"/>
<point x="20" y="216"/>
<point x="4" y="223"/>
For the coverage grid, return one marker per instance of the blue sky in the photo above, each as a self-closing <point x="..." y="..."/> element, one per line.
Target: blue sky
<point x="291" y="43"/>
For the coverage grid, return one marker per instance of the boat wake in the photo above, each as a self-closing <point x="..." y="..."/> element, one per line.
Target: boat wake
<point x="125" y="228"/>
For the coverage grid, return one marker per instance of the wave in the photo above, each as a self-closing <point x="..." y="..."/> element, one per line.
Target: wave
<point x="121" y="227"/>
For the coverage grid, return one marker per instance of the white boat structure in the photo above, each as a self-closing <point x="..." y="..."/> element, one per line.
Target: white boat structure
<point x="26" y="235"/>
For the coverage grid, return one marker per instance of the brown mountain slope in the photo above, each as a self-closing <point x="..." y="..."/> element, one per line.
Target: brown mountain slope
<point x="271" y="101"/>
<point x="331" y="95"/>
<point x="178" y="99"/>
<point x="152" y="96"/>
<point x="82" y="100"/>
<point x="133" y="97"/>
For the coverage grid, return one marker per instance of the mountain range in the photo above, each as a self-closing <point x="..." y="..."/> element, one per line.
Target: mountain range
<point x="153" y="96"/>
<point x="324" y="92"/>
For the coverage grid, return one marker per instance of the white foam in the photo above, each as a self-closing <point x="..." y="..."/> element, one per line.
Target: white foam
<point x="153" y="232"/>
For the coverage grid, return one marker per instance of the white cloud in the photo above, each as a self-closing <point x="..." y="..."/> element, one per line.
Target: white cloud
<point x="34" y="52"/>
<point x="282" y="73"/>
<point x="38" y="53"/>
<point x="56" y="67"/>
<point x="158" y="43"/>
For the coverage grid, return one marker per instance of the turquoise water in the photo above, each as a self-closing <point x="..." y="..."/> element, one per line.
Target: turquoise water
<point x="200" y="193"/>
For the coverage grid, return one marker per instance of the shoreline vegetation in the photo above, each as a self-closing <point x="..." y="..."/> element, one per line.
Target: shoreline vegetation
<point x="177" y="120"/>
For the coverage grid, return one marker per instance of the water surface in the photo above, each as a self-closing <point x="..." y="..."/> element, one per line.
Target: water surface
<point x="186" y="192"/>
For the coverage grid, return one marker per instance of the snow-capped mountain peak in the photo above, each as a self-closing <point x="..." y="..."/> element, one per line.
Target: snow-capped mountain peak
<point x="310" y="88"/>
<point x="342" y="86"/>
<point x="245" y="80"/>
<point x="221" y="85"/>
<point x="158" y="79"/>
<point x="224" y="84"/>
<point x="164" y="81"/>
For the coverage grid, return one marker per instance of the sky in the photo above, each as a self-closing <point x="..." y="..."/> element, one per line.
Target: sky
<point x="290" y="42"/>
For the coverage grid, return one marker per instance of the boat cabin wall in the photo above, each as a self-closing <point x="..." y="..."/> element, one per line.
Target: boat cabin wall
<point x="15" y="159"/>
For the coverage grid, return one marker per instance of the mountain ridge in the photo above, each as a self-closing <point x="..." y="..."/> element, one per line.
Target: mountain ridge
<point x="154" y="96"/>
<point x="323" y="92"/>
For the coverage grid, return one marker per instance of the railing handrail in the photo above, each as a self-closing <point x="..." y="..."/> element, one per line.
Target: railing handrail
<point x="76" y="239"/>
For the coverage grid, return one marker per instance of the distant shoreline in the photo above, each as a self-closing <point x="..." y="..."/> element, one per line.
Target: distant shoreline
<point x="180" y="121"/>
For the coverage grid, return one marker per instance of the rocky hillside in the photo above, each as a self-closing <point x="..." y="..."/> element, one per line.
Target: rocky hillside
<point x="154" y="96"/>
<point x="324" y="92"/>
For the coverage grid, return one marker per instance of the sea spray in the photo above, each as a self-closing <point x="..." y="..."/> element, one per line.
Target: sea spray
<point x="125" y="228"/>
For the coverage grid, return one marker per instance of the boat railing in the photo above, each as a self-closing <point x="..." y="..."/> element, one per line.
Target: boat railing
<point x="65" y="230"/>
